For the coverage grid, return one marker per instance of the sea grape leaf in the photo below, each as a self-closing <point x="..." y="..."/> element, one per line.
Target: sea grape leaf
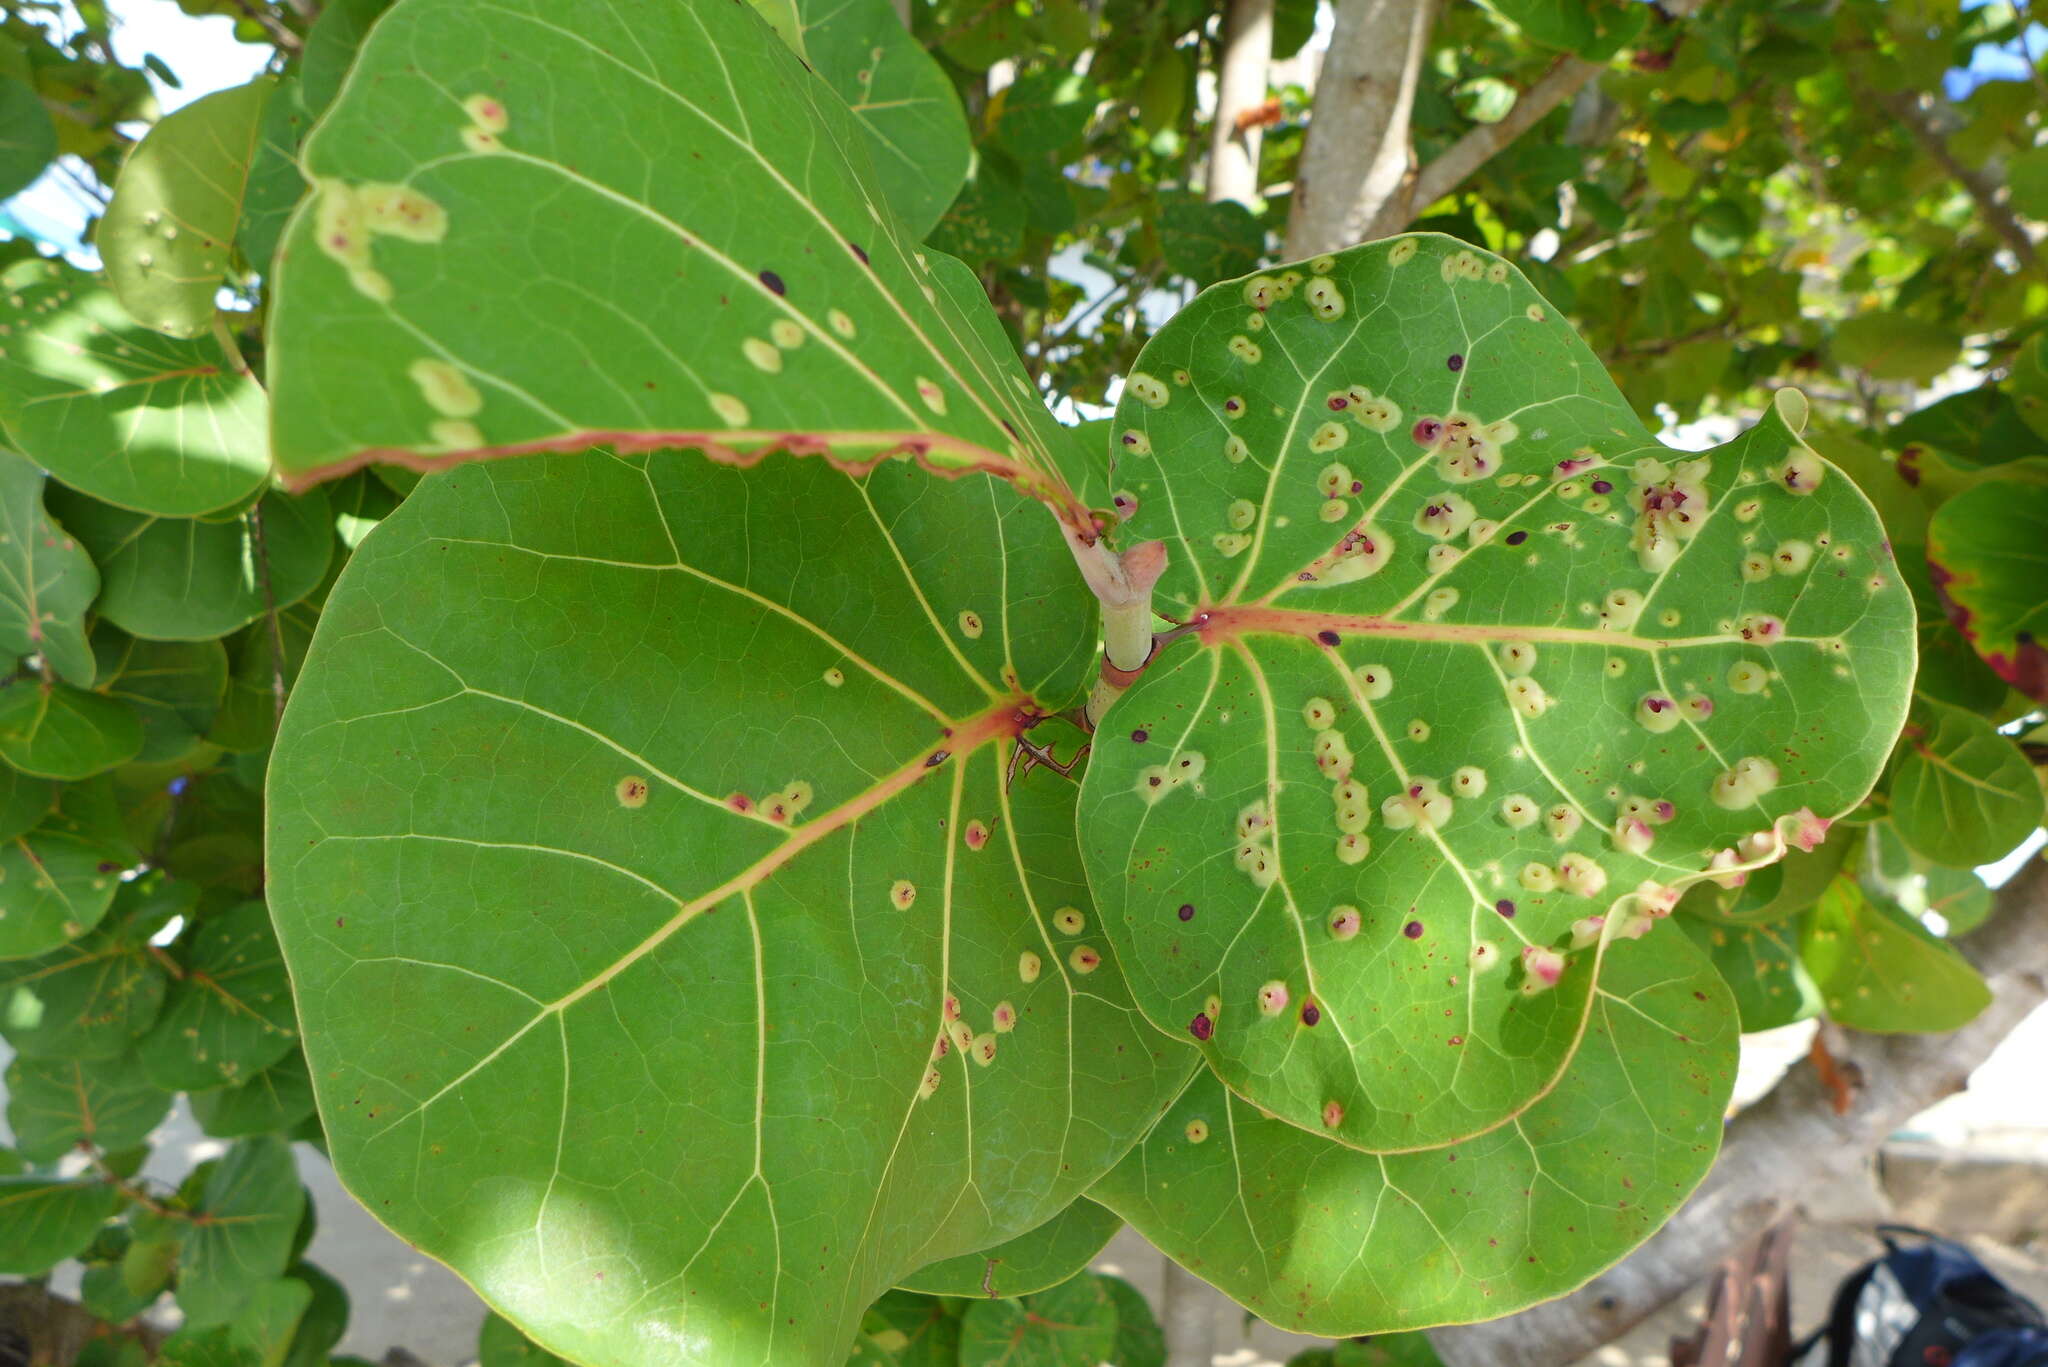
<point x="902" y="98"/>
<point x="1069" y="1325"/>
<point x="28" y="139"/>
<point x="119" y="411"/>
<point x="248" y="1212"/>
<point x="1034" y="1260"/>
<point x="186" y="579"/>
<point x="230" y="1016"/>
<point x="904" y="1329"/>
<point x="1961" y="793"/>
<point x="56" y="731"/>
<point x="703" y="834"/>
<point x="1303" y="1232"/>
<point x="1140" y="1342"/>
<point x="500" y="1344"/>
<point x="818" y="326"/>
<point x="1919" y="886"/>
<point x="168" y="235"/>
<point x="54" y="1105"/>
<point x="325" y="1320"/>
<point x="58" y="885"/>
<point x="1761" y="966"/>
<point x="275" y="185"/>
<point x="1987" y="549"/>
<point x="44" y="1221"/>
<point x="1776" y="892"/>
<point x="1209" y="242"/>
<point x="175" y="687"/>
<point x="277" y="1098"/>
<point x="92" y="997"/>
<point x="248" y="713"/>
<point x="1895" y="346"/>
<point x="1447" y="695"/>
<point x="24" y="801"/>
<point x="46" y="581"/>
<point x="1879" y="969"/>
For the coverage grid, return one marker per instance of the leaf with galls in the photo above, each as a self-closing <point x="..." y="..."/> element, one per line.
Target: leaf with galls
<point x="1483" y="662"/>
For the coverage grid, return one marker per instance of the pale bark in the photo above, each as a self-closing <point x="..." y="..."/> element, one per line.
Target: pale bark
<point x="1187" y="1315"/>
<point x="1784" y="1147"/>
<point x="1355" y="166"/>
<point x="1240" y="90"/>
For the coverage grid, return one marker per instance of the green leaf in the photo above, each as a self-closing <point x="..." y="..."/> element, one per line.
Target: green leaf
<point x="269" y="1323"/>
<point x="56" y="731"/>
<point x="180" y="579"/>
<point x="916" y="131"/>
<point x="277" y="1098"/>
<point x="24" y="802"/>
<point x="28" y="140"/>
<point x="57" y="884"/>
<point x="526" y="849"/>
<point x="324" y="1322"/>
<point x="1450" y="697"/>
<point x="500" y="1344"/>
<point x="169" y="232"/>
<point x="43" y="1222"/>
<point x="46" y="581"/>
<point x="94" y="996"/>
<point x="2026" y="181"/>
<point x="1302" y="1232"/>
<point x="1776" y="892"/>
<point x="1058" y="1249"/>
<point x="1070" y="1325"/>
<point x="1879" y="969"/>
<point x="1894" y="346"/>
<point x="55" y="1105"/>
<point x="218" y="1346"/>
<point x="248" y="715"/>
<point x="102" y="1291"/>
<point x="1140" y="1342"/>
<point x="1892" y="871"/>
<point x="275" y="186"/>
<point x="1987" y="550"/>
<point x="903" y="1329"/>
<point x="1760" y="964"/>
<point x="175" y="687"/>
<point x="118" y="411"/>
<point x="1209" y="242"/>
<point x="241" y="1233"/>
<point x="394" y="337"/>
<point x="230" y="1016"/>
<point x="1595" y="31"/>
<point x="1961" y="793"/>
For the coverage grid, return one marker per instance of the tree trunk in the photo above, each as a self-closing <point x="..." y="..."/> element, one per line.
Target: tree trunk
<point x="1187" y="1314"/>
<point x="1784" y="1146"/>
<point x="1240" y="90"/>
<point x="1353" y="183"/>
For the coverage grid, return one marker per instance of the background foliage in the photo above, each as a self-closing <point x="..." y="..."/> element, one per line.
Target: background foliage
<point x="1759" y="195"/>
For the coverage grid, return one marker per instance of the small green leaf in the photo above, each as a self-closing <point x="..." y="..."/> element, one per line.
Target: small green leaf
<point x="1209" y="242"/>
<point x="55" y="1105"/>
<point x="500" y="1344"/>
<point x="28" y="140"/>
<point x="1140" y="1342"/>
<point x="46" y="581"/>
<point x="331" y="47"/>
<point x="175" y="687"/>
<point x="916" y="131"/>
<point x="168" y="234"/>
<point x="230" y="1016"/>
<point x="24" y="801"/>
<point x="1302" y="1232"/>
<point x="1958" y="896"/>
<point x="1879" y="969"/>
<point x="1070" y="1325"/>
<point x="119" y="411"/>
<point x="904" y="1329"/>
<point x="275" y="186"/>
<point x="277" y="1098"/>
<point x="57" y="886"/>
<point x="56" y="731"/>
<point x="241" y="1233"/>
<point x="94" y="996"/>
<point x="2026" y="181"/>
<point x="179" y="579"/>
<point x="43" y="1222"/>
<point x="1987" y="549"/>
<point x="1761" y="966"/>
<point x="1895" y="346"/>
<point x="1961" y="793"/>
<point x="324" y="1322"/>
<point x="269" y="1323"/>
<point x="1058" y="1249"/>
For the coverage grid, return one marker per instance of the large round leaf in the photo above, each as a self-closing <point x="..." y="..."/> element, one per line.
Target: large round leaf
<point x="486" y="268"/>
<point x="53" y="730"/>
<point x="1471" y="664"/>
<point x="1319" y="1238"/>
<point x="56" y="1104"/>
<point x="117" y="410"/>
<point x="665" y="949"/>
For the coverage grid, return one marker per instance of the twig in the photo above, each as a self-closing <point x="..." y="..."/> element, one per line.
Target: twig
<point x="1906" y="109"/>
<point x="269" y="610"/>
<point x="272" y="25"/>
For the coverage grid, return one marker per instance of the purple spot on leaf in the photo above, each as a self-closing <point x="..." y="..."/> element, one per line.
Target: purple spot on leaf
<point x="1201" y="1027"/>
<point x="1187" y="911"/>
<point x="1504" y="907"/>
<point x="1455" y="361"/>
<point x="773" y="282"/>
<point x="1413" y="930"/>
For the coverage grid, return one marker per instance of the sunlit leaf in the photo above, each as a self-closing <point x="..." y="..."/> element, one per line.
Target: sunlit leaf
<point x="116" y="410"/>
<point x="1878" y="968"/>
<point x="1475" y="672"/>
<point x="28" y="140"/>
<point x="168" y="236"/>
<point x="694" y="840"/>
